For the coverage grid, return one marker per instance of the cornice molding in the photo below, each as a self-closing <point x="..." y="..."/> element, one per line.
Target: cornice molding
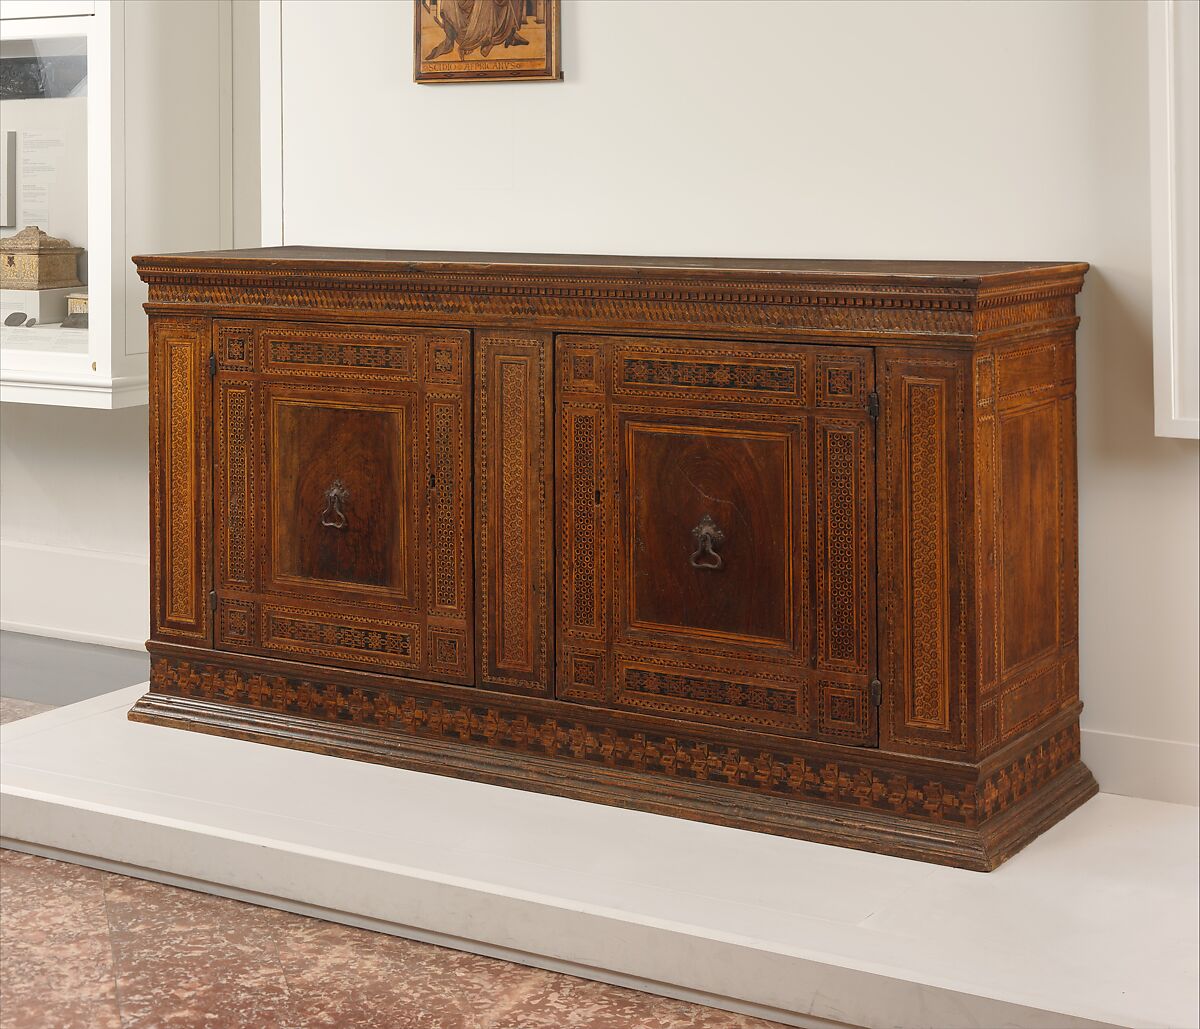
<point x="940" y="308"/>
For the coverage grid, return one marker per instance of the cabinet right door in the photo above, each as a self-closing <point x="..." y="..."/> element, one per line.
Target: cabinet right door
<point x="716" y="518"/>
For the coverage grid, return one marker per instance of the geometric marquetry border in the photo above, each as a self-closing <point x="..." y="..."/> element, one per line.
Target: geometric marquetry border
<point x="505" y="724"/>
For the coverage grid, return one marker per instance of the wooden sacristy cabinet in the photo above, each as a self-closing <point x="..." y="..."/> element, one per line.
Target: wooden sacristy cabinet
<point x="784" y="545"/>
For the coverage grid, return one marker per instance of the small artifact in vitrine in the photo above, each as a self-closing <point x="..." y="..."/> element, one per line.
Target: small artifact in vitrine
<point x="77" y="311"/>
<point x="31" y="259"/>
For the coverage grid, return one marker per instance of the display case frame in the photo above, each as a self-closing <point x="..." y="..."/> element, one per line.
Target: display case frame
<point x="157" y="175"/>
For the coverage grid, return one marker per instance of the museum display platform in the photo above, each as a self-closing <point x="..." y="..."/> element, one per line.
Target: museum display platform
<point x="1094" y="923"/>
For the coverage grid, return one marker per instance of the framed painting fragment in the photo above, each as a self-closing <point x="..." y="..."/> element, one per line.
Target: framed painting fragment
<point x="485" y="40"/>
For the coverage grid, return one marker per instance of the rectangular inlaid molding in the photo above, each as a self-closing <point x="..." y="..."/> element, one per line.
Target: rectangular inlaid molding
<point x="235" y="346"/>
<point x="235" y="482"/>
<point x="841" y="380"/>
<point x="181" y="482"/>
<point x="446" y="511"/>
<point x="582" y="369"/>
<point x="237" y="623"/>
<point x="927" y="701"/>
<point x="712" y="694"/>
<point x="514" y="623"/>
<point x="512" y="501"/>
<point x="843" y="572"/>
<point x="342" y="636"/>
<point x="1068" y="608"/>
<point x="181" y="514"/>
<point x="987" y="521"/>
<point x="1025" y="703"/>
<point x="650" y="371"/>
<point x="340" y="353"/>
<point x="927" y="551"/>
<point x="708" y="372"/>
<point x="1025" y="372"/>
<point x="444" y="360"/>
<point x="1030" y="533"/>
<point x="581" y="676"/>
<point x="447" y="650"/>
<point x="582" y="464"/>
<point x="845" y="713"/>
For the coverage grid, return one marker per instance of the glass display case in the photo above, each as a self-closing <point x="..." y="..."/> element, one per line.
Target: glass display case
<point x="113" y="121"/>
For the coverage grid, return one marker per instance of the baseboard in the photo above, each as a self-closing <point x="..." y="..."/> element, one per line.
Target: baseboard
<point x="88" y="596"/>
<point x="1140" y="766"/>
<point x="54" y="672"/>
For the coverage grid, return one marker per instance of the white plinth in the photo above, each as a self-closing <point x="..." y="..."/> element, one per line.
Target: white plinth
<point x="46" y="305"/>
<point x="1094" y="923"/>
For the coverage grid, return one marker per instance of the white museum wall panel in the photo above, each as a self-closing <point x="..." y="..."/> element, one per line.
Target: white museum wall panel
<point x="1173" y="31"/>
<point x="74" y="527"/>
<point x="794" y="129"/>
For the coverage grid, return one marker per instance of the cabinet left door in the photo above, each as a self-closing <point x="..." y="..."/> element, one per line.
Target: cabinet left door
<point x="342" y="500"/>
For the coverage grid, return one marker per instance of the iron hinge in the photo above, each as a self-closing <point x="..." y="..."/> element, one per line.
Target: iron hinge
<point x="876" y="692"/>
<point x="873" y="405"/>
<point x="212" y="366"/>
<point x="212" y="600"/>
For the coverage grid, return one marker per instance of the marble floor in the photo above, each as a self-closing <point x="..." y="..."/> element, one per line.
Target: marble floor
<point x="86" y="949"/>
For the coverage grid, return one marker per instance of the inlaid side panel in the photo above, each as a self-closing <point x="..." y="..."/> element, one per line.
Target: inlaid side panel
<point x="513" y="497"/>
<point x="924" y="538"/>
<point x="1027" y="517"/>
<point x="180" y="517"/>
<point x="1030" y="531"/>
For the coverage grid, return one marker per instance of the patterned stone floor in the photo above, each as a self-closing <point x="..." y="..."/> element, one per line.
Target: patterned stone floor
<point x="84" y="949"/>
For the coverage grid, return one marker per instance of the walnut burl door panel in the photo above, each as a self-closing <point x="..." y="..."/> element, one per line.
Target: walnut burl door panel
<point x="715" y="516"/>
<point x="343" y="496"/>
<point x="710" y="504"/>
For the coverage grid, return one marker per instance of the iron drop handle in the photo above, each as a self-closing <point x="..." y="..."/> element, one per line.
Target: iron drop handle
<point x="334" y="514"/>
<point x="707" y="536"/>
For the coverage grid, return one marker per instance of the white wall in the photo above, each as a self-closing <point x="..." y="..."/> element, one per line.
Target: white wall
<point x="966" y="130"/>
<point x="74" y="527"/>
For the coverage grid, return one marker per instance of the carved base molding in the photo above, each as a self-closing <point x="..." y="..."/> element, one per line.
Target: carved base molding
<point x="951" y="813"/>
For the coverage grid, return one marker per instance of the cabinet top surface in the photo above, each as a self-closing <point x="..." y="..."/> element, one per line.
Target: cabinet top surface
<point x="302" y="258"/>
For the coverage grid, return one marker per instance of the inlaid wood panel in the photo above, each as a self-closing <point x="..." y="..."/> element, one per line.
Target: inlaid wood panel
<point x="235" y="425"/>
<point x="688" y="484"/>
<point x="1030" y="533"/>
<point x="513" y="510"/>
<point x="342" y="636"/>
<point x="594" y="743"/>
<point x="1026" y="504"/>
<point x="180" y="516"/>
<point x="844" y="508"/>
<point x="364" y="541"/>
<point x="740" y="478"/>
<point x="344" y="495"/>
<point x="924" y="543"/>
